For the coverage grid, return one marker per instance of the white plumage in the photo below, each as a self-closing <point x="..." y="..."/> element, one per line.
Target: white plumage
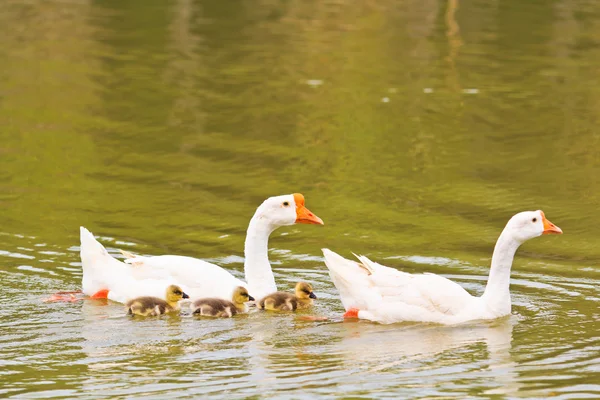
<point x="150" y="275"/>
<point x="378" y="293"/>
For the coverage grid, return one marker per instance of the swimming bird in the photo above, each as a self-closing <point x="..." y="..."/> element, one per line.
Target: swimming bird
<point x="214" y="307"/>
<point x="283" y="301"/>
<point x="153" y="306"/>
<point x="106" y="277"/>
<point x="378" y="293"/>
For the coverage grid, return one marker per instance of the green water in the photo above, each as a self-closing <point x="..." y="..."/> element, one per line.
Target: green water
<point x="415" y="130"/>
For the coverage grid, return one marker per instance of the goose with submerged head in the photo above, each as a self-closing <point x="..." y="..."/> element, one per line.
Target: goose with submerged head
<point x="378" y="293"/>
<point x="106" y="277"/>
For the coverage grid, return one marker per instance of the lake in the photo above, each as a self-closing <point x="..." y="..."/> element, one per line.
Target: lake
<point x="414" y="129"/>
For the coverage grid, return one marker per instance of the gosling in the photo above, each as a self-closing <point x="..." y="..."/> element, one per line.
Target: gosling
<point x="213" y="307"/>
<point x="152" y="306"/>
<point x="283" y="301"/>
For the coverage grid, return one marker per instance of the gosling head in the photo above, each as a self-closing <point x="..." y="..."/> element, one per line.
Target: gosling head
<point x="285" y="210"/>
<point x="175" y="294"/>
<point x="304" y="291"/>
<point x="241" y="295"/>
<point x="530" y="224"/>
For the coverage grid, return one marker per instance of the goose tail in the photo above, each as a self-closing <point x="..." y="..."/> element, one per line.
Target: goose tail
<point x="91" y="249"/>
<point x="99" y="267"/>
<point x="349" y="277"/>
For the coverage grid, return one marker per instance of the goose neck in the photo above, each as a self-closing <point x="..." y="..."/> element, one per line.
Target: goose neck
<point x="257" y="267"/>
<point x="497" y="295"/>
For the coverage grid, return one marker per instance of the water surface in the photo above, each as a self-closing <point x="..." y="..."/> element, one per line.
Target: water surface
<point x="415" y="129"/>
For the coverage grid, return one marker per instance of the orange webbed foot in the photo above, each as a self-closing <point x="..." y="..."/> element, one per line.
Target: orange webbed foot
<point x="100" y="294"/>
<point x="67" y="297"/>
<point x="351" y="313"/>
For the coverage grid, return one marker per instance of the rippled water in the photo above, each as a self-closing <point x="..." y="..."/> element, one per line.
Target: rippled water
<point x="414" y="129"/>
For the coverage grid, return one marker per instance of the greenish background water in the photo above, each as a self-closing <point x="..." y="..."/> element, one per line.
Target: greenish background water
<point x="415" y="129"/>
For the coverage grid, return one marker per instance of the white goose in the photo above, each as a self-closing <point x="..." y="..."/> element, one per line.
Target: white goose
<point x="378" y="293"/>
<point x="106" y="277"/>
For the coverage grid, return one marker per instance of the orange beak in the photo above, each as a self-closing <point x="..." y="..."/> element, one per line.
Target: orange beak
<point x="549" y="227"/>
<point x="303" y="214"/>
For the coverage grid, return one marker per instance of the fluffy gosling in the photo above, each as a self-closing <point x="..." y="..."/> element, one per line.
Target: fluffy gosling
<point x="283" y="301"/>
<point x="152" y="306"/>
<point x="213" y="307"/>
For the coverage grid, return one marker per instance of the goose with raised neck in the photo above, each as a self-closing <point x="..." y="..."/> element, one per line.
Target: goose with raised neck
<point x="378" y="293"/>
<point x="106" y="277"/>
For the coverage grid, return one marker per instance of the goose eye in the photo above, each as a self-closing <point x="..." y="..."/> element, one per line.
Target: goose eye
<point x="534" y="220"/>
<point x="286" y="203"/>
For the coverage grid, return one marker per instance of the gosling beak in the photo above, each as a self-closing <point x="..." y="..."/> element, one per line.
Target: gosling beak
<point x="303" y="214"/>
<point x="549" y="227"/>
<point x="185" y="296"/>
<point x="312" y="295"/>
<point x="250" y="298"/>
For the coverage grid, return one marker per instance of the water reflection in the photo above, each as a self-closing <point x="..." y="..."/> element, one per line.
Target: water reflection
<point x="164" y="125"/>
<point x="263" y="348"/>
<point x="96" y="343"/>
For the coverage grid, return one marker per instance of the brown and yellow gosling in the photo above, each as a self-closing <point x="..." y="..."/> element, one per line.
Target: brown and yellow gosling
<point x="152" y="306"/>
<point x="283" y="301"/>
<point x="213" y="307"/>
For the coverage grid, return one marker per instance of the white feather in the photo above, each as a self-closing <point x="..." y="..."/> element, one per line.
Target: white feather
<point x="386" y="295"/>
